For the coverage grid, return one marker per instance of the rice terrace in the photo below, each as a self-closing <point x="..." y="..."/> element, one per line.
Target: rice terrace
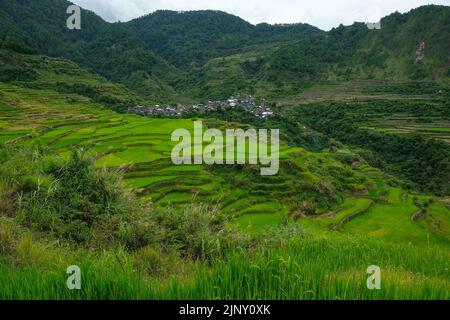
<point x="363" y="176"/>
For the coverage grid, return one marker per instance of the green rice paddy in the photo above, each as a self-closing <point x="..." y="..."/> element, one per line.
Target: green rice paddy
<point x="367" y="220"/>
<point x="142" y="148"/>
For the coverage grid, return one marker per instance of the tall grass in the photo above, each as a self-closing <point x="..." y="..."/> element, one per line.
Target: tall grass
<point x="309" y="267"/>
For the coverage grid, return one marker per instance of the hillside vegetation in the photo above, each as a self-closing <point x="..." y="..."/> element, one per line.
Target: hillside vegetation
<point x="421" y="160"/>
<point x="364" y="158"/>
<point x="135" y="249"/>
<point x="109" y="49"/>
<point x="185" y="38"/>
<point x="169" y="56"/>
<point x="342" y="54"/>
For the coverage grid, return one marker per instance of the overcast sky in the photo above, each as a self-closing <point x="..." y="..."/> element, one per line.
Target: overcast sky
<point x="324" y="14"/>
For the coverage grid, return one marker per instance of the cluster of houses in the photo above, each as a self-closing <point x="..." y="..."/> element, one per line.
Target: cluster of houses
<point x="247" y="103"/>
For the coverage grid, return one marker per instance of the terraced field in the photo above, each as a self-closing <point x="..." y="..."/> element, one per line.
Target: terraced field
<point x="141" y="147"/>
<point x="360" y="90"/>
<point x="434" y="127"/>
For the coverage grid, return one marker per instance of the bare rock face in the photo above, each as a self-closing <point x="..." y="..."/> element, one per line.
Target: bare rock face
<point x="420" y="53"/>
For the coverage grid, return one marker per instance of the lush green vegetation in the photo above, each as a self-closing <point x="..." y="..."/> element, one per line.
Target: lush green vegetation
<point x="342" y="54"/>
<point x="355" y="52"/>
<point x="185" y="38"/>
<point x="134" y="225"/>
<point x="128" y="250"/>
<point x="280" y="266"/>
<point x="168" y="56"/>
<point x="418" y="159"/>
<point x="360" y="182"/>
<point x="63" y="76"/>
<point x="63" y="121"/>
<point x="109" y="49"/>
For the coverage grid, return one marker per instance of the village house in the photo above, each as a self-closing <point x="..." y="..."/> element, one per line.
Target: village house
<point x="245" y="102"/>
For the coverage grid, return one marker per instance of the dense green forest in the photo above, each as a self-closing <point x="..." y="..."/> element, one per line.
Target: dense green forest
<point x="170" y="56"/>
<point x="109" y="49"/>
<point x="357" y="52"/>
<point x="426" y="162"/>
<point x="197" y="36"/>
<point x="342" y="54"/>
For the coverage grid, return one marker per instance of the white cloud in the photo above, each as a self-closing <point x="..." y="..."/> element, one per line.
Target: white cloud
<point x="324" y="14"/>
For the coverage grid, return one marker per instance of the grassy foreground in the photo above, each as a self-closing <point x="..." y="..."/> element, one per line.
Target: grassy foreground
<point x="308" y="267"/>
<point x="130" y="250"/>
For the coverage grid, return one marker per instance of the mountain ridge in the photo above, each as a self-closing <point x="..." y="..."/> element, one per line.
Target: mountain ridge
<point x="168" y="56"/>
<point x="180" y="37"/>
<point x="343" y="54"/>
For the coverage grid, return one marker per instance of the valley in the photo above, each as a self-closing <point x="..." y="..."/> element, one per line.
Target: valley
<point x="141" y="147"/>
<point x="86" y="179"/>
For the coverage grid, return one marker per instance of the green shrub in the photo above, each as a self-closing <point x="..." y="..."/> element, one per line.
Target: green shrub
<point x="7" y="201"/>
<point x="69" y="198"/>
<point x="148" y="260"/>
<point x="72" y="200"/>
<point x="25" y="250"/>
<point x="7" y="239"/>
<point x="139" y="230"/>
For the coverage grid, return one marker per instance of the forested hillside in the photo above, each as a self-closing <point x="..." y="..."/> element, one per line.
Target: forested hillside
<point x="109" y="49"/>
<point x="389" y="53"/>
<point x="170" y="56"/>
<point x="345" y="53"/>
<point x="189" y="37"/>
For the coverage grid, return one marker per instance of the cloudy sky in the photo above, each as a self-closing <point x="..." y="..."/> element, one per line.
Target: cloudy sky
<point x="324" y="14"/>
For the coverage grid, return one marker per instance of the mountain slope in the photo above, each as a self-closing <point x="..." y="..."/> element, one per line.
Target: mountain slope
<point x="354" y="52"/>
<point x="342" y="54"/>
<point x="401" y="37"/>
<point x="109" y="49"/>
<point x="63" y="76"/>
<point x="63" y="107"/>
<point x="218" y="54"/>
<point x="197" y="36"/>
